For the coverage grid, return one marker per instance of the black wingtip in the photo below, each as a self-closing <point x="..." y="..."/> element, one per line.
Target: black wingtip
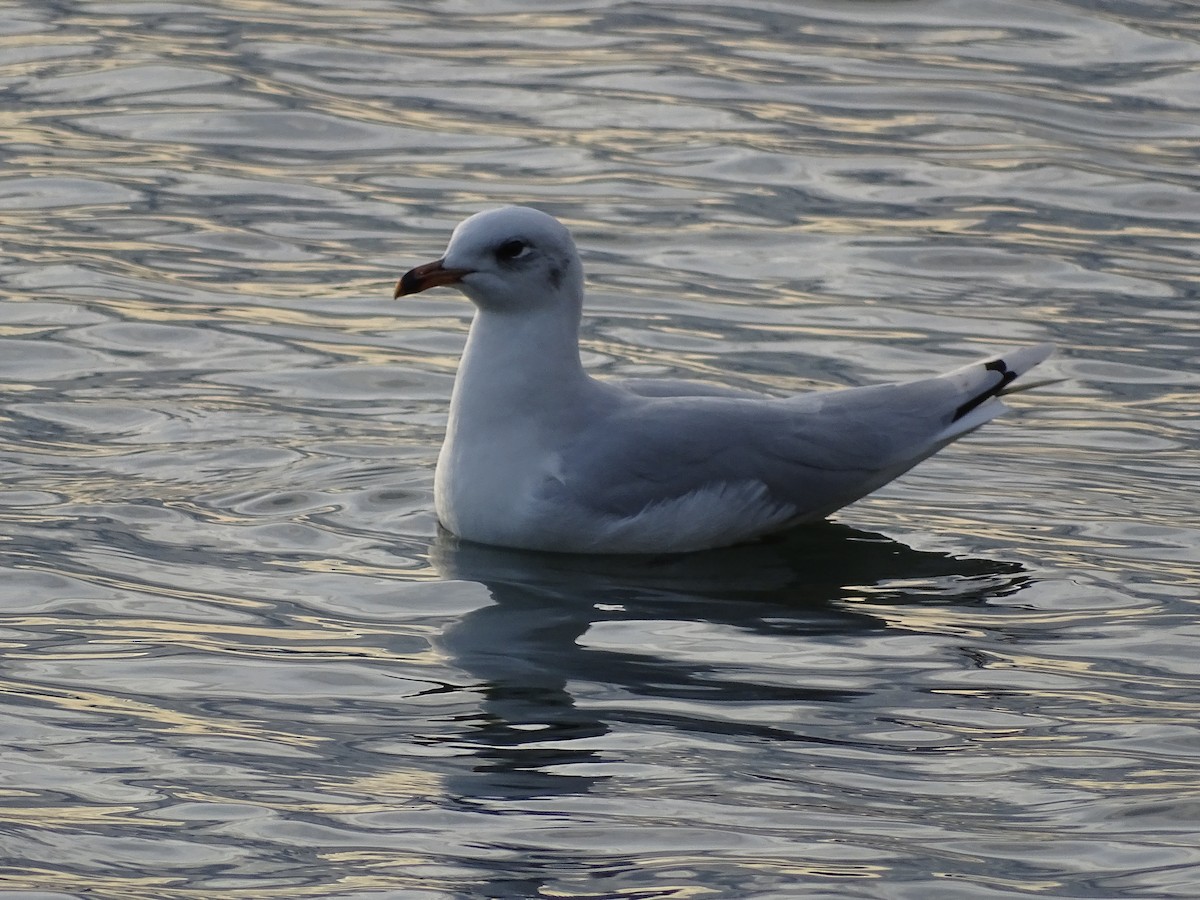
<point x="1006" y="377"/>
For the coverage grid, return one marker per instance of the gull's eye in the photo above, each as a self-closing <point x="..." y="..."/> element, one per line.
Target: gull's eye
<point x="510" y="250"/>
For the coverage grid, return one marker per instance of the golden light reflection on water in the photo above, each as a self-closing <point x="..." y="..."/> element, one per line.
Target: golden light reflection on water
<point x="151" y="716"/>
<point x="844" y="225"/>
<point x="35" y="879"/>
<point x="669" y="888"/>
<point x="94" y="576"/>
<point x="1096" y="670"/>
<point x="292" y="640"/>
<point x="127" y="887"/>
<point x="378" y="795"/>
<point x="48" y="816"/>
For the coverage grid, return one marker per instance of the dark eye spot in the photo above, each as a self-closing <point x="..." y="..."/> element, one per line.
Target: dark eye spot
<point x="510" y="250"/>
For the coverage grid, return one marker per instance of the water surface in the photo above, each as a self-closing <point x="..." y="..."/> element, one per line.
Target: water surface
<point x="239" y="660"/>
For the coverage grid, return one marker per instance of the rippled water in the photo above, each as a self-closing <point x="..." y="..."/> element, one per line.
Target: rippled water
<point x="237" y="659"/>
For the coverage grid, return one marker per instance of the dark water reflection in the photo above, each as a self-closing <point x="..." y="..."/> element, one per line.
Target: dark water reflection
<point x="528" y="647"/>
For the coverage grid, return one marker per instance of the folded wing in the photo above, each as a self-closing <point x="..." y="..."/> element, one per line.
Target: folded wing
<point x="774" y="462"/>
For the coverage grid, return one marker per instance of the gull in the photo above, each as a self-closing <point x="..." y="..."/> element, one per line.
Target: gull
<point x="539" y="455"/>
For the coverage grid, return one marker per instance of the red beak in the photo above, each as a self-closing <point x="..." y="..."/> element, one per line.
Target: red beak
<point x="422" y="278"/>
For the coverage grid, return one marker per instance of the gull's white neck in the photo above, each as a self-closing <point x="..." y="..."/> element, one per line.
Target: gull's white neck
<point x="524" y="363"/>
<point x="517" y="399"/>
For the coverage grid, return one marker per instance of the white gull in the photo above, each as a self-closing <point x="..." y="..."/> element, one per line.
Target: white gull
<point x="539" y="455"/>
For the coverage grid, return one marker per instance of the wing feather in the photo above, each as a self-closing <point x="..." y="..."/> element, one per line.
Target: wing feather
<point x="814" y="453"/>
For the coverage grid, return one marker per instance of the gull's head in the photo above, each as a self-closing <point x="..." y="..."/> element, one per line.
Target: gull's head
<point x="505" y="259"/>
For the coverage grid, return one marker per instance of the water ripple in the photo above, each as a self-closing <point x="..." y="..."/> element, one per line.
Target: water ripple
<point x="239" y="658"/>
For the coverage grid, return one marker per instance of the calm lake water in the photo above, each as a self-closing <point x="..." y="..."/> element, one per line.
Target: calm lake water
<point x="238" y="661"/>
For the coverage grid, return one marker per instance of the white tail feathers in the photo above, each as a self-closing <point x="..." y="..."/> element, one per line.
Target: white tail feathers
<point x="979" y="386"/>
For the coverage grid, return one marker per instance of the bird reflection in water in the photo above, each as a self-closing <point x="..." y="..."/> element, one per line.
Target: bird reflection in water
<point x="525" y="650"/>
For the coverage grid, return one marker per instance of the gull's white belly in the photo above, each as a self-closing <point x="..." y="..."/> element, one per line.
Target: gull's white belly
<point x="510" y="496"/>
<point x="488" y="492"/>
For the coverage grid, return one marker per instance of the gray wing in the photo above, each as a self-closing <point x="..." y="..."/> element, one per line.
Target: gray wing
<point x="679" y="387"/>
<point x="815" y="452"/>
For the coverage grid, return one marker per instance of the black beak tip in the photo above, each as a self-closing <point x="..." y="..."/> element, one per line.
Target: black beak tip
<point x="409" y="283"/>
<point x="430" y="275"/>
